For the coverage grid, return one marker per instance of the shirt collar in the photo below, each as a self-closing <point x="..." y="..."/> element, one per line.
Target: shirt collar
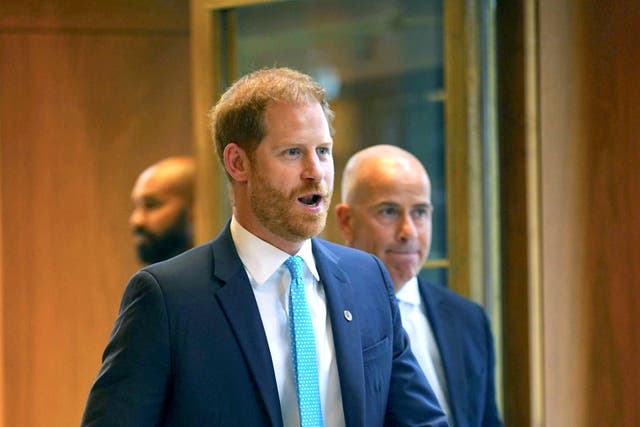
<point x="262" y="259"/>
<point x="409" y="292"/>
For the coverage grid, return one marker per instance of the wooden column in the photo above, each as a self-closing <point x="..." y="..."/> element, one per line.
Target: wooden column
<point x="571" y="358"/>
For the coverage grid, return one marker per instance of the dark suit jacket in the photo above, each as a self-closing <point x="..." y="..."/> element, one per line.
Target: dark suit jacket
<point x="188" y="347"/>
<point x="462" y="331"/>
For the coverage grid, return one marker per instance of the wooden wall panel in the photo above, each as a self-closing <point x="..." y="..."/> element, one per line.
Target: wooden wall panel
<point x="590" y="122"/>
<point x="81" y="114"/>
<point x="585" y="116"/>
<point x="563" y="186"/>
<point x="100" y="15"/>
<point x="2" y="367"/>
<point x="611" y="62"/>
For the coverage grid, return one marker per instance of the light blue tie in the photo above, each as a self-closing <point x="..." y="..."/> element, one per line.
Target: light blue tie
<point x="303" y="348"/>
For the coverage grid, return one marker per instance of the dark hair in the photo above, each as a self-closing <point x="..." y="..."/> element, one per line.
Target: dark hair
<point x="238" y="116"/>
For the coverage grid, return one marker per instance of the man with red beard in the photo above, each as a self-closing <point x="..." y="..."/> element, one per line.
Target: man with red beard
<point x="162" y="216"/>
<point x="266" y="325"/>
<point x="386" y="210"/>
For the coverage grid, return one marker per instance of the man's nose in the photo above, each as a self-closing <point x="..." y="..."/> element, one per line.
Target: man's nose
<point x="313" y="168"/>
<point x="407" y="229"/>
<point x="136" y="218"/>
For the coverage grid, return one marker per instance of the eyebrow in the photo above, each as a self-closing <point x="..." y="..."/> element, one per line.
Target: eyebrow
<point x="423" y="205"/>
<point x="394" y="204"/>
<point x="146" y="199"/>
<point x="386" y="204"/>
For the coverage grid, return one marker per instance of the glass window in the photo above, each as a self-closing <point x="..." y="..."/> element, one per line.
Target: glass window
<point x="384" y="63"/>
<point x="381" y="62"/>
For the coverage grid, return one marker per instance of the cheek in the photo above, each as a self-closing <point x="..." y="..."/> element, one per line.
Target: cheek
<point x="426" y="237"/>
<point x="164" y="218"/>
<point x="425" y="244"/>
<point x="371" y="238"/>
<point x="423" y="232"/>
<point x="329" y="174"/>
<point x="276" y="177"/>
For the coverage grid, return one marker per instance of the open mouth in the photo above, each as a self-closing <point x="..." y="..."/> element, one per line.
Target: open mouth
<point x="311" y="200"/>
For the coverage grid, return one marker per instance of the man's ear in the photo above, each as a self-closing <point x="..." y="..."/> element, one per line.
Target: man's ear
<point x="236" y="162"/>
<point x="343" y="213"/>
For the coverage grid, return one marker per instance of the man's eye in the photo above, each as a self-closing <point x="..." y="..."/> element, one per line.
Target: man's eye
<point x="292" y="152"/>
<point x="388" y="212"/>
<point x="324" y="151"/>
<point x="152" y="205"/>
<point x="421" y="214"/>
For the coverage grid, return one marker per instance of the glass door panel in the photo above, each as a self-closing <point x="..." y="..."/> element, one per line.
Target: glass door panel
<point x="381" y="62"/>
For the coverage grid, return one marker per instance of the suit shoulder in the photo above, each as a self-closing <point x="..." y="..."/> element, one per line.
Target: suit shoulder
<point x="194" y="262"/>
<point x="451" y="298"/>
<point x="344" y="252"/>
<point x="362" y="267"/>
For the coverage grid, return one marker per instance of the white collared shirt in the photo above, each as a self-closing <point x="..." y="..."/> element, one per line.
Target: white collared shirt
<point x="270" y="280"/>
<point x="423" y="342"/>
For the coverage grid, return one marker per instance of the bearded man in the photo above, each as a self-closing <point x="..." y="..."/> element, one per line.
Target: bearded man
<point x="266" y="325"/>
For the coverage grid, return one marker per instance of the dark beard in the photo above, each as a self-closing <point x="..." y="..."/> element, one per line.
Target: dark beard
<point x="174" y="241"/>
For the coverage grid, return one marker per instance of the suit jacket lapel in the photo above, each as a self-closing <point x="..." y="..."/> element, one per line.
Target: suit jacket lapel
<point x="239" y="305"/>
<point x="443" y="324"/>
<point x="346" y="334"/>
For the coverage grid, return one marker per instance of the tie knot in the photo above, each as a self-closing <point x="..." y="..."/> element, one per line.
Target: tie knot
<point x="294" y="264"/>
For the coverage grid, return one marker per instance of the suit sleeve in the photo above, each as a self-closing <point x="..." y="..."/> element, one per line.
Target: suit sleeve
<point x="132" y="384"/>
<point x="411" y="401"/>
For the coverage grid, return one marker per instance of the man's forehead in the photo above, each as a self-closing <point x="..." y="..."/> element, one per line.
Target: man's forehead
<point x="152" y="194"/>
<point x="393" y="188"/>
<point x="154" y="185"/>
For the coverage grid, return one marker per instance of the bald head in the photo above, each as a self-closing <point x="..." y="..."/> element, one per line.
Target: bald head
<point x="365" y="166"/>
<point x="175" y="174"/>
<point x="162" y="216"/>
<point x="386" y="209"/>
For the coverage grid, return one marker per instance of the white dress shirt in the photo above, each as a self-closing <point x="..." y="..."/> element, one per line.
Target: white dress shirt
<point x="423" y="342"/>
<point x="270" y="280"/>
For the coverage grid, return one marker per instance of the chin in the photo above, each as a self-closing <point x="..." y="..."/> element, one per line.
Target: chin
<point x="310" y="230"/>
<point x="312" y="226"/>
<point x="405" y="274"/>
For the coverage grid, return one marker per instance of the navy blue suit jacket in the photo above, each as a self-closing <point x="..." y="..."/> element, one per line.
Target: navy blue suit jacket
<point x="188" y="347"/>
<point x="464" y="338"/>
